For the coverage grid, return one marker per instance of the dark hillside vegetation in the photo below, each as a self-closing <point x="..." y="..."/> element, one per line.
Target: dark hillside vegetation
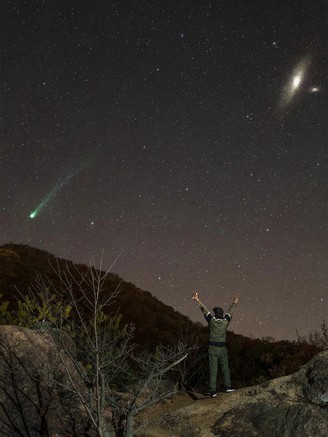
<point x="251" y="360"/>
<point x="154" y="321"/>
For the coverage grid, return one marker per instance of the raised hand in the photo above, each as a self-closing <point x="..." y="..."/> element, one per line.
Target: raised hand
<point x="236" y="298"/>
<point x="195" y="296"/>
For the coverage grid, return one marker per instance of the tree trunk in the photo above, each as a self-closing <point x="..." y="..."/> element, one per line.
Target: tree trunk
<point x="129" y="426"/>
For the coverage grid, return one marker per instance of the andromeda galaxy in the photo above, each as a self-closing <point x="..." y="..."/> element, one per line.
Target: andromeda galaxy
<point x="294" y="82"/>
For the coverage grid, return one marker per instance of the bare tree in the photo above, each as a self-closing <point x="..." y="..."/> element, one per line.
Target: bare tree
<point x="106" y="356"/>
<point x="192" y="370"/>
<point x="103" y="348"/>
<point x="152" y="386"/>
<point x="96" y="369"/>
<point x="318" y="339"/>
<point x="324" y="331"/>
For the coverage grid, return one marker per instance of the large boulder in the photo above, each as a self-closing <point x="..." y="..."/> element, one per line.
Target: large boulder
<point x="314" y="379"/>
<point x="36" y="375"/>
<point x="295" y="405"/>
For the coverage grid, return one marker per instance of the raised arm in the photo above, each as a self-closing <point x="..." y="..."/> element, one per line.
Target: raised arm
<point x="232" y="306"/>
<point x="205" y="311"/>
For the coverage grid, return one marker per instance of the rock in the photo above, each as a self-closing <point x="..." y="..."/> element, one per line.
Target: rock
<point x="271" y="419"/>
<point x="35" y="395"/>
<point x="315" y="374"/>
<point x="295" y="405"/>
<point x="36" y="399"/>
<point x="285" y="407"/>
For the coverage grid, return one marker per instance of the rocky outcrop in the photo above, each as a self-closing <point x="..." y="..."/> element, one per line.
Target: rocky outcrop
<point x="35" y="392"/>
<point x="295" y="405"/>
<point x="36" y="399"/>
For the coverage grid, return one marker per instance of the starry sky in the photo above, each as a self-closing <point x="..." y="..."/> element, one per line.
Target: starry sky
<point x="187" y="138"/>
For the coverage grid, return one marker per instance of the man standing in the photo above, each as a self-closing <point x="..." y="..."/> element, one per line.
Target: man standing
<point x="217" y="350"/>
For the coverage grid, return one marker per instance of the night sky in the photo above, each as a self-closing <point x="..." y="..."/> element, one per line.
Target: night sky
<point x="186" y="137"/>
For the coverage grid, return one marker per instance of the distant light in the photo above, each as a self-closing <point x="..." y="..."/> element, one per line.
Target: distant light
<point x="315" y="89"/>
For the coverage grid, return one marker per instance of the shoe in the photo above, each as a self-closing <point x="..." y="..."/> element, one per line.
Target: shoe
<point x="229" y="390"/>
<point x="213" y="394"/>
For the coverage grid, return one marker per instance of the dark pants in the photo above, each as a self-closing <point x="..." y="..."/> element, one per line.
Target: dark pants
<point x="218" y="356"/>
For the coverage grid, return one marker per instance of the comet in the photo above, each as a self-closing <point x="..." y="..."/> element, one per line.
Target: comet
<point x="62" y="181"/>
<point x="47" y="198"/>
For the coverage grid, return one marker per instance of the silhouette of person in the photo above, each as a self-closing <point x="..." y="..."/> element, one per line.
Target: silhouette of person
<point x="217" y="349"/>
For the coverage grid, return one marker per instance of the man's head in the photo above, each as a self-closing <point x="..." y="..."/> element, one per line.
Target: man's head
<point x="218" y="312"/>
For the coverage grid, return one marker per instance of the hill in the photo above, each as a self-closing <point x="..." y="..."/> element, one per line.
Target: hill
<point x="251" y="360"/>
<point x="154" y="321"/>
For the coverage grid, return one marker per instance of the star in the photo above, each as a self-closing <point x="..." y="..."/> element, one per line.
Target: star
<point x="140" y="131"/>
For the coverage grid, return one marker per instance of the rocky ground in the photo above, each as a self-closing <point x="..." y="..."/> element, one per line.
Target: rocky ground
<point x="295" y="405"/>
<point x="36" y="381"/>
